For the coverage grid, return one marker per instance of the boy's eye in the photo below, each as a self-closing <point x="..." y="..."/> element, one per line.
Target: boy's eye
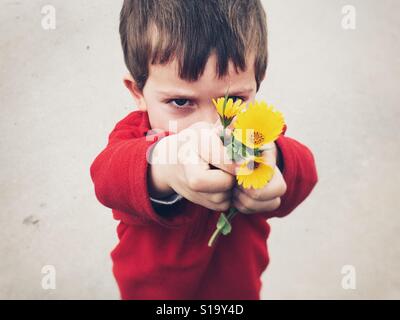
<point x="182" y="103"/>
<point x="179" y="103"/>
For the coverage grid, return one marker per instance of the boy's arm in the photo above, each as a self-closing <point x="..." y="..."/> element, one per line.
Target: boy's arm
<point x="298" y="168"/>
<point x="119" y="174"/>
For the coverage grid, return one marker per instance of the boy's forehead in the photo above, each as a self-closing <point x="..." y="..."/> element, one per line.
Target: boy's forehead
<point x="168" y="76"/>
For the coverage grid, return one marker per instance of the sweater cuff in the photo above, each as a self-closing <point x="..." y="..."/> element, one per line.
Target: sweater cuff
<point x="289" y="173"/>
<point x="299" y="172"/>
<point x="287" y="157"/>
<point x="168" y="201"/>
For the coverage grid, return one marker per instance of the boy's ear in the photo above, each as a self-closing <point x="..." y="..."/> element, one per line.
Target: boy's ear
<point x="137" y="94"/>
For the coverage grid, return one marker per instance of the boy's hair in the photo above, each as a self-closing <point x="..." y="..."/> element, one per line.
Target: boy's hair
<point x="158" y="31"/>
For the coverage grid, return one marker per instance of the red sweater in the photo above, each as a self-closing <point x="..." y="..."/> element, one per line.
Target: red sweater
<point x="165" y="255"/>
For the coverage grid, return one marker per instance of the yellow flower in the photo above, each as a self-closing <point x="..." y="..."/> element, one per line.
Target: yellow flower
<point x="258" y="125"/>
<point x="255" y="173"/>
<point x="231" y="108"/>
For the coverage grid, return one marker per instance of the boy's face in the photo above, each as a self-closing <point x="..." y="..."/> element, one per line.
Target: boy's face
<point x="174" y="104"/>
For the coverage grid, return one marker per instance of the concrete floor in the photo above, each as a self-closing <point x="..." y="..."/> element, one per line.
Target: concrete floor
<point x="61" y="94"/>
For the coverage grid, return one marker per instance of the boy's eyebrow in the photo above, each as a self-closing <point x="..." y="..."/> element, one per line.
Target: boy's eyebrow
<point x="177" y="93"/>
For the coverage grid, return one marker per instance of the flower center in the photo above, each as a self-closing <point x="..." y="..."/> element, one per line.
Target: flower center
<point x="257" y="137"/>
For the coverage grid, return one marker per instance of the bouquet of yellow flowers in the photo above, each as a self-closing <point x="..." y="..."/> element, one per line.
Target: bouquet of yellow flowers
<point x="254" y="127"/>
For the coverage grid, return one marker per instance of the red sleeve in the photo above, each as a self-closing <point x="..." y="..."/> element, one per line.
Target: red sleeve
<point x="299" y="172"/>
<point x="119" y="173"/>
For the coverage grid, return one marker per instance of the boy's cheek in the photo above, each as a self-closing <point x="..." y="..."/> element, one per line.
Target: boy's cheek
<point x="166" y="122"/>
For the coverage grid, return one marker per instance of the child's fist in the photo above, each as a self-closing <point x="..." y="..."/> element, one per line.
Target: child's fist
<point x="267" y="199"/>
<point x="184" y="165"/>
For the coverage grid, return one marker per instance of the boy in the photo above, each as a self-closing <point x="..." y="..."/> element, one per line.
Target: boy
<point x="181" y="54"/>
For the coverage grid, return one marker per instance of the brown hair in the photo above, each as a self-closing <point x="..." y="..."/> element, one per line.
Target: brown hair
<point x="158" y="31"/>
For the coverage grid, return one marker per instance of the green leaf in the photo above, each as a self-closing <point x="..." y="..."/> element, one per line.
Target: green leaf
<point x="234" y="153"/>
<point x="236" y="142"/>
<point x="238" y="157"/>
<point x="224" y="225"/>
<point x="231" y="152"/>
<point x="225" y="102"/>
<point x="258" y="152"/>
<point x="247" y="153"/>
<point x="227" y="122"/>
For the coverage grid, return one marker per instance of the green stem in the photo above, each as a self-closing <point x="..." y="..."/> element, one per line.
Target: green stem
<point x="214" y="237"/>
<point x="232" y="213"/>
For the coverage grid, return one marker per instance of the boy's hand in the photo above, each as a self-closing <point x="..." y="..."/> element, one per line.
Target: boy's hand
<point x="267" y="199"/>
<point x="183" y="165"/>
